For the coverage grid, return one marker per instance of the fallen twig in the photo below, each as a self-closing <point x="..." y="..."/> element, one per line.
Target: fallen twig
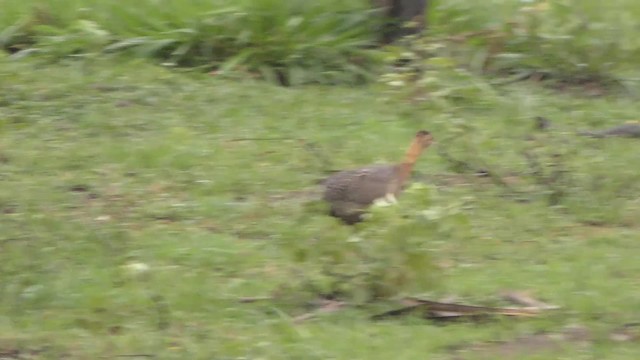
<point x="442" y="310"/>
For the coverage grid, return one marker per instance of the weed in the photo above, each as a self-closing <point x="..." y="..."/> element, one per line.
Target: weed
<point x="567" y="42"/>
<point x="289" y="42"/>
<point x="387" y="255"/>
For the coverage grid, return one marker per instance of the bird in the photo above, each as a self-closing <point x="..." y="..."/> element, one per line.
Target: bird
<point x="351" y="192"/>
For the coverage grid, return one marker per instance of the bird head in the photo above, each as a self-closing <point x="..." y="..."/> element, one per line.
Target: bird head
<point x="424" y="138"/>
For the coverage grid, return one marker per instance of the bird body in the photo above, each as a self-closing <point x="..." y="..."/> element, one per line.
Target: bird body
<point x="351" y="192"/>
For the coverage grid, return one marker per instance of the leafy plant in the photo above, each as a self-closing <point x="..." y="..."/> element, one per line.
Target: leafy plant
<point x="385" y="255"/>
<point x="288" y="42"/>
<point x="570" y="42"/>
<point x="420" y="70"/>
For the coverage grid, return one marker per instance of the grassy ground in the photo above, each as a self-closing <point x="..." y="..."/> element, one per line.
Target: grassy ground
<point x="107" y="165"/>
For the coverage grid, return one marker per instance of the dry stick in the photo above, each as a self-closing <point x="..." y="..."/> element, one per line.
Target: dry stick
<point x="472" y="309"/>
<point x="440" y="310"/>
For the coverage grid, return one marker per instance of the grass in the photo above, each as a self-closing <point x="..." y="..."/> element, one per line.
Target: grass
<point x="110" y="163"/>
<point x="295" y="42"/>
<point x="291" y="42"/>
<point x="139" y="203"/>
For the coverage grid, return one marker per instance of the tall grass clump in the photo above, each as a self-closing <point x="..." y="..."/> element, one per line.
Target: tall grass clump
<point x="388" y="254"/>
<point x="294" y="42"/>
<point x="568" y="41"/>
<point x="285" y="41"/>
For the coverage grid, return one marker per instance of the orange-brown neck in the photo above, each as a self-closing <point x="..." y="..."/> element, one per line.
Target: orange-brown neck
<point x="410" y="158"/>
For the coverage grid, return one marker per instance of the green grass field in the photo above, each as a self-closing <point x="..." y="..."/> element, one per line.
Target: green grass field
<point x="140" y="204"/>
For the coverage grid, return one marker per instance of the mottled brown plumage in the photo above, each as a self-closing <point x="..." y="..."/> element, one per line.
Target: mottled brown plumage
<point x="350" y="192"/>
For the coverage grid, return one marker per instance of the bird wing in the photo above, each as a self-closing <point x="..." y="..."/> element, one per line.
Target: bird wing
<point x="361" y="186"/>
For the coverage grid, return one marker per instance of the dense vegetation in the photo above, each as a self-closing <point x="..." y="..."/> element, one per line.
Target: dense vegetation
<point x="326" y="41"/>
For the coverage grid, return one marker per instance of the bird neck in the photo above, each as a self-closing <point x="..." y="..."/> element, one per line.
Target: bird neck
<point x="410" y="158"/>
<point x="413" y="153"/>
<point x="405" y="168"/>
<point x="404" y="172"/>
